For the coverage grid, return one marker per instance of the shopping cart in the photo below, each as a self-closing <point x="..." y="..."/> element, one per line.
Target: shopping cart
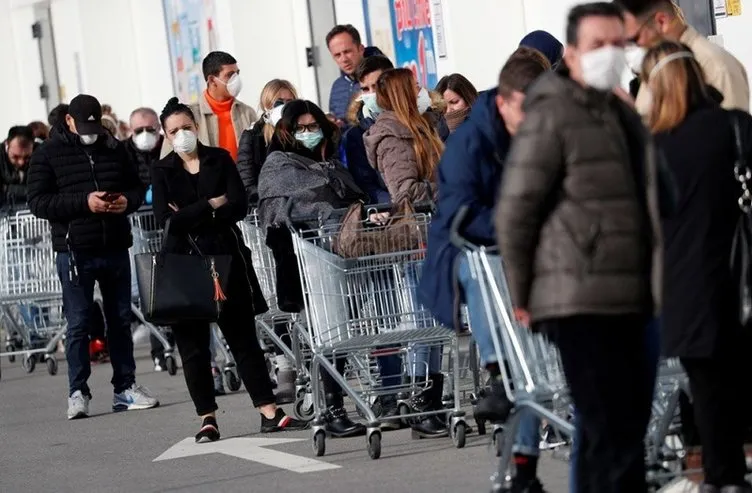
<point x="30" y="293"/>
<point x="532" y="374"/>
<point x="354" y="307"/>
<point x="268" y="323"/>
<point x="147" y="238"/>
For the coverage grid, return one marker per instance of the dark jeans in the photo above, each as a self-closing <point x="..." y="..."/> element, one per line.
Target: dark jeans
<point x="606" y="365"/>
<point x="236" y="321"/>
<point x="112" y="270"/>
<point x="716" y="385"/>
<point x="157" y="350"/>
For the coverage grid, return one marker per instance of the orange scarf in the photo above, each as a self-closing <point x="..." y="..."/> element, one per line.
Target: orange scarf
<point x="227" y="138"/>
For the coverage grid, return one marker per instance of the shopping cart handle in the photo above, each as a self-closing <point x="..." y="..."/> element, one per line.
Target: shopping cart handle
<point x="455" y="236"/>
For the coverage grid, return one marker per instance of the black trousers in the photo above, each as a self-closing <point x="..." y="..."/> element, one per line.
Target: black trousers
<point x="717" y="385"/>
<point x="605" y="361"/>
<point x="237" y="324"/>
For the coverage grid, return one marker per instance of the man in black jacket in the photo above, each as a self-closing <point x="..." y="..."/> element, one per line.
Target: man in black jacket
<point x="82" y="182"/>
<point x="14" y="165"/>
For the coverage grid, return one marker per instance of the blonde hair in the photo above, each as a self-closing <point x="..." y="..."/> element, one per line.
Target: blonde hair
<point x="675" y="88"/>
<point x="269" y="94"/>
<point x="395" y="91"/>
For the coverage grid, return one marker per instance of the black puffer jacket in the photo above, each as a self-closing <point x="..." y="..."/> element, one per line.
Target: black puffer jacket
<point x="251" y="156"/>
<point x="143" y="160"/>
<point x="13" y="183"/>
<point x="63" y="172"/>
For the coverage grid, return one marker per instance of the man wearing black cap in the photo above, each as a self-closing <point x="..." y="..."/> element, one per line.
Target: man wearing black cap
<point x="82" y="182"/>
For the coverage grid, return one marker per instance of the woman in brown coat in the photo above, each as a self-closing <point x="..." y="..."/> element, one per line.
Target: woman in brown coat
<point x="405" y="150"/>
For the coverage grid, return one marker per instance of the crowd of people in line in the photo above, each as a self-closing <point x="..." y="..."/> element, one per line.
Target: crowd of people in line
<point x="616" y="213"/>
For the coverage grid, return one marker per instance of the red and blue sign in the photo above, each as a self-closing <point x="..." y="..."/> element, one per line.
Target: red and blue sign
<point x="413" y="39"/>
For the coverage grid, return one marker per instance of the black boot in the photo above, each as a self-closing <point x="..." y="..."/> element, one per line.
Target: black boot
<point x="430" y="400"/>
<point x="494" y="407"/>
<point x="338" y="424"/>
<point x="389" y="409"/>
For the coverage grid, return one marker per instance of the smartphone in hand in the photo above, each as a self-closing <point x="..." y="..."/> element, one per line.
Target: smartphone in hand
<point x="112" y="197"/>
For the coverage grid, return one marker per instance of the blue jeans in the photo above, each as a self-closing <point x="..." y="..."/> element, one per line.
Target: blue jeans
<point x="422" y="359"/>
<point x="527" y="441"/>
<point x="653" y="348"/>
<point x="112" y="270"/>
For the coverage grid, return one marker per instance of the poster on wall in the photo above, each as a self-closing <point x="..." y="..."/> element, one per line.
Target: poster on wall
<point x="191" y="36"/>
<point x="412" y="31"/>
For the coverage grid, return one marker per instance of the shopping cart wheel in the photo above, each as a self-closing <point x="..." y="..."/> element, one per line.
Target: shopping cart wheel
<point x="303" y="410"/>
<point x="10" y="349"/>
<point x="28" y="363"/>
<point x="374" y="445"/>
<point x="51" y="365"/>
<point x="172" y="365"/>
<point x="319" y="443"/>
<point x="498" y="442"/>
<point x="481" y="427"/>
<point x="459" y="434"/>
<point x="232" y="381"/>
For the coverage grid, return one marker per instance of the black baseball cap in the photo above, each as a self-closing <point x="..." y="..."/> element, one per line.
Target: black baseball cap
<point x="87" y="113"/>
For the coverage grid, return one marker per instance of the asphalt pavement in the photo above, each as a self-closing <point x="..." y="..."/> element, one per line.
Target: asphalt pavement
<point x="152" y="451"/>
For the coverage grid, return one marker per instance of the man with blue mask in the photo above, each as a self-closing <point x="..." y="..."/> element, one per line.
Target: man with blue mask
<point x="354" y="149"/>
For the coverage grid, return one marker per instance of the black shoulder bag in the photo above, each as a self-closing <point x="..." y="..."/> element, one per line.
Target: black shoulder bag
<point x="177" y="288"/>
<point x="741" y="248"/>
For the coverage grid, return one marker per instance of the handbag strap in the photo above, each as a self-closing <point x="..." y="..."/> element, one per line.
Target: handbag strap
<point x="741" y="170"/>
<point x="166" y="234"/>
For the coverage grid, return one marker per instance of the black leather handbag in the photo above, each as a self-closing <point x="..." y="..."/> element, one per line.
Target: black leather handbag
<point x="177" y="288"/>
<point x="741" y="249"/>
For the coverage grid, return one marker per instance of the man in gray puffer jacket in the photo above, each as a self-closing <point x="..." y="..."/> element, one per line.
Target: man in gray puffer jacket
<point x="579" y="231"/>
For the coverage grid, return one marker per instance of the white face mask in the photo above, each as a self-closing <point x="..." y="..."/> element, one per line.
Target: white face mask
<point x="602" y="68"/>
<point x="424" y="100"/>
<point x="234" y="84"/>
<point x="88" y="139"/>
<point x="274" y="115"/>
<point x="145" y="141"/>
<point x="635" y="55"/>
<point x="184" y="141"/>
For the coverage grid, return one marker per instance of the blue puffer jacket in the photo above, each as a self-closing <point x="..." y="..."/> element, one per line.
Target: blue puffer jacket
<point x="354" y="149"/>
<point x="469" y="174"/>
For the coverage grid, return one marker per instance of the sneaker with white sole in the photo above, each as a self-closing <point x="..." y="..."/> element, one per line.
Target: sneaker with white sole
<point x="134" y="398"/>
<point x="78" y="405"/>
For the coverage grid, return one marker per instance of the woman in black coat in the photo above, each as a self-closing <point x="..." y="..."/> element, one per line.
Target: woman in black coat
<point x="199" y="191"/>
<point x="700" y="307"/>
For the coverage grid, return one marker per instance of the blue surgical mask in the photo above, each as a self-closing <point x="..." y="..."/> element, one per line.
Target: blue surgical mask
<point x="371" y="108"/>
<point x="310" y="139"/>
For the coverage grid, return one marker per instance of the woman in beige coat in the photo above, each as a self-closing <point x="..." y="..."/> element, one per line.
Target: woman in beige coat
<point x="405" y="150"/>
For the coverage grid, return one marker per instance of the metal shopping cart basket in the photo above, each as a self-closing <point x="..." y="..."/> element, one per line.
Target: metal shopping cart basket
<point x="30" y="292"/>
<point x="356" y="306"/>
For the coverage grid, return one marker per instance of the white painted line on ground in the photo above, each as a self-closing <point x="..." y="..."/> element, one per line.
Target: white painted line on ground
<point x="681" y="485"/>
<point x="251" y="449"/>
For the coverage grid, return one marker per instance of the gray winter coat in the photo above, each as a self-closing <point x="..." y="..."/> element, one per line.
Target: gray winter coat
<point x="314" y="189"/>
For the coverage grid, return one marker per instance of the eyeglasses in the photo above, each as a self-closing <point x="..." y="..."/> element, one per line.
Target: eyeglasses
<point x="633" y="39"/>
<point x="140" y="130"/>
<point x="311" y="127"/>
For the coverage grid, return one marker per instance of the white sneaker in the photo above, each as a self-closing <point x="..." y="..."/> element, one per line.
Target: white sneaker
<point x="134" y="398"/>
<point x="78" y="406"/>
<point x="158" y="365"/>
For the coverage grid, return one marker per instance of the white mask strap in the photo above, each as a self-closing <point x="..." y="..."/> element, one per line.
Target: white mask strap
<point x="666" y="60"/>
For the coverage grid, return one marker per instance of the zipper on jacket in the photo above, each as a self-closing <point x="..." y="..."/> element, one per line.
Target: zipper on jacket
<point x="96" y="187"/>
<point x="245" y="271"/>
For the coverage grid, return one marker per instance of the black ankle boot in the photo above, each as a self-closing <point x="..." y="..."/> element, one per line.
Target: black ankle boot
<point x="389" y="409"/>
<point x="338" y="424"/>
<point x="494" y="407"/>
<point x="430" y="400"/>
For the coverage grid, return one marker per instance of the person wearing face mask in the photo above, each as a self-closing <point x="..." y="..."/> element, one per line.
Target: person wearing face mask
<point x="700" y="323"/>
<point x="459" y="95"/>
<point x="302" y="177"/>
<point x="222" y="117"/>
<point x="198" y="190"/>
<point x="650" y="21"/>
<point x="83" y="183"/>
<point x="255" y="140"/>
<point x="578" y="225"/>
<point x="363" y="114"/>
<point x="469" y="174"/>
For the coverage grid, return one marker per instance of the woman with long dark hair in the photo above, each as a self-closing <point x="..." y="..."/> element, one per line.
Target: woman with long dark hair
<point x="198" y="190"/>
